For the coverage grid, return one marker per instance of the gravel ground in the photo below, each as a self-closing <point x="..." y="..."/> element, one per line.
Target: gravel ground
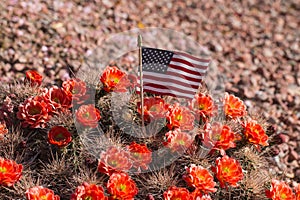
<point x="254" y="43"/>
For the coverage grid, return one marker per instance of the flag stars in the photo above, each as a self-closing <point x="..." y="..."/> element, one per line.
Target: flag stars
<point x="156" y="60"/>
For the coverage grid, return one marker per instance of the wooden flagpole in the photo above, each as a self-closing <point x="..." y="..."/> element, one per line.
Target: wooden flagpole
<point x="141" y="78"/>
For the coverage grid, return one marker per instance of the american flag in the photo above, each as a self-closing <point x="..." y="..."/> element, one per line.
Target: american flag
<point x="172" y="73"/>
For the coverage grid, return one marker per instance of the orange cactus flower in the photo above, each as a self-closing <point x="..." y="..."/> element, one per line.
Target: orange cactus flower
<point x="154" y="108"/>
<point x="39" y="192"/>
<point x="200" y="178"/>
<point x="218" y="136"/>
<point x="175" y="193"/>
<point x="228" y="170"/>
<point x="177" y="140"/>
<point x="280" y="191"/>
<point x="58" y="98"/>
<point x="114" y="160"/>
<point x="33" y="77"/>
<point x="88" y="192"/>
<point x="255" y="133"/>
<point x="205" y="197"/>
<point x="120" y="186"/>
<point x="10" y="172"/>
<point x="88" y="115"/>
<point x="233" y="106"/>
<point x="197" y="195"/>
<point x="297" y="190"/>
<point x="203" y="106"/>
<point x="59" y="136"/>
<point x="76" y="90"/>
<point x="35" y="112"/>
<point x="141" y="156"/>
<point x="113" y="79"/>
<point x="3" y="130"/>
<point x="180" y="117"/>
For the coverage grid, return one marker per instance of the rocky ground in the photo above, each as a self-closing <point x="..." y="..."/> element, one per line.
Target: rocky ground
<point x="256" y="44"/>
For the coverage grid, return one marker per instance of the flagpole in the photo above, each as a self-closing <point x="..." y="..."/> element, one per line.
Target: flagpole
<point x="141" y="79"/>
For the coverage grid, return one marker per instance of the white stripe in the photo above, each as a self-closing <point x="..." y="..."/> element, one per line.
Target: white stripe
<point x="204" y="64"/>
<point x="177" y="78"/>
<point x="166" y="84"/>
<point x="184" y="73"/>
<point x="168" y="91"/>
<point x="188" y="67"/>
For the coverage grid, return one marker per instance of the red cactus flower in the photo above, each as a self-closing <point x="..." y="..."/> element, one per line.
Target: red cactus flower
<point x="88" y="115"/>
<point x="228" y="170"/>
<point x="177" y="140"/>
<point x="255" y="133"/>
<point x="58" y="98"/>
<point x="218" y="136"/>
<point x="205" y="197"/>
<point x="39" y="192"/>
<point x="297" y="190"/>
<point x="234" y="107"/>
<point x="76" y="90"/>
<point x="175" y="193"/>
<point x="180" y="117"/>
<point x="114" y="160"/>
<point x="200" y="178"/>
<point x="59" y="136"/>
<point x="88" y="192"/>
<point x="35" y="112"/>
<point x="197" y="195"/>
<point x="280" y="191"/>
<point x="203" y="105"/>
<point x="141" y="156"/>
<point x="115" y="80"/>
<point x="154" y="108"/>
<point x="10" y="172"/>
<point x="33" y="77"/>
<point x="121" y="187"/>
<point x="3" y="130"/>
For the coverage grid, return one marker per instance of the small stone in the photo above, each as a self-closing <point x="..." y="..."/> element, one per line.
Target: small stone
<point x="290" y="174"/>
<point x="19" y="66"/>
<point x="267" y="52"/>
<point x="278" y="37"/>
<point x="293" y="155"/>
<point x="7" y="67"/>
<point x="283" y="137"/>
<point x="23" y="59"/>
<point x="261" y="95"/>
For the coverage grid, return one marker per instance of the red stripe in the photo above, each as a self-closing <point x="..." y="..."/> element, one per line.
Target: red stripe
<point x="184" y="69"/>
<point x="185" y="77"/>
<point x="165" y="93"/>
<point x="191" y="57"/>
<point x="169" y="88"/>
<point x="182" y="61"/>
<point x="170" y="81"/>
<point x="188" y="63"/>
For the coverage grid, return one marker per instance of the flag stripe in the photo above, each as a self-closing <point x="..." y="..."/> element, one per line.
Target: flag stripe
<point x="186" y="67"/>
<point x="184" y="70"/>
<point x="181" y="60"/>
<point x="187" y="76"/>
<point x="173" y="77"/>
<point x="192" y="57"/>
<point x="159" y="91"/>
<point x="172" y="88"/>
<point x="178" y="74"/>
<point x="168" y="82"/>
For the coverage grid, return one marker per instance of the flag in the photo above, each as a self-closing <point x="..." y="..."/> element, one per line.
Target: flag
<point x="172" y="73"/>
